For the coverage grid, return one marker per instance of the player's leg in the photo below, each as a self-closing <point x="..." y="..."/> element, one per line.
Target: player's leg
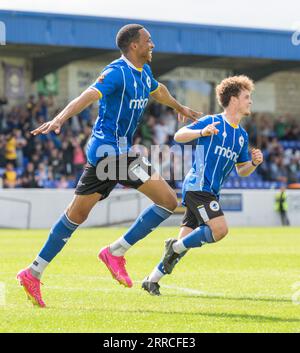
<point x="150" y="283"/>
<point x="213" y="227"/>
<point x="144" y="179"/>
<point x="87" y="195"/>
<point x="214" y="230"/>
<point x="60" y="233"/>
<point x="165" y="201"/>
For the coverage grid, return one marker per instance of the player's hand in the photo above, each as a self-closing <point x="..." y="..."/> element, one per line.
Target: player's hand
<point x="53" y="125"/>
<point x="257" y="156"/>
<point x="210" y="129"/>
<point x="185" y="113"/>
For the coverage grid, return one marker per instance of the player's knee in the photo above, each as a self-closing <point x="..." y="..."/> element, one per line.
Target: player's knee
<point x="220" y="232"/>
<point x="77" y="216"/>
<point x="169" y="202"/>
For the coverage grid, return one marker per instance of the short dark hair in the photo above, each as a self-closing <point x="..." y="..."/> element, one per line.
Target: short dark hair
<point x="126" y="35"/>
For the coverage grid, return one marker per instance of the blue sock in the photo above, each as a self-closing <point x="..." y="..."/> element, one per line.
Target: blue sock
<point x="198" y="237"/>
<point x="161" y="267"/>
<point x="147" y="221"/>
<point x="58" y="237"/>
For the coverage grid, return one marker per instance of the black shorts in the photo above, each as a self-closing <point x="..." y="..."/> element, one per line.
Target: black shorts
<point x="128" y="171"/>
<point x="200" y="207"/>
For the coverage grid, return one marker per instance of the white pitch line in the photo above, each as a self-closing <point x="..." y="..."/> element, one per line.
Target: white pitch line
<point x="190" y="291"/>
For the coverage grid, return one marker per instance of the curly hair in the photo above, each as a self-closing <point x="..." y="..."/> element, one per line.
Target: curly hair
<point x="232" y="87"/>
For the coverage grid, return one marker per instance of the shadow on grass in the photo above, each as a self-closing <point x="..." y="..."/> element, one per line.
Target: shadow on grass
<point x="238" y="317"/>
<point x="231" y="316"/>
<point x="233" y="298"/>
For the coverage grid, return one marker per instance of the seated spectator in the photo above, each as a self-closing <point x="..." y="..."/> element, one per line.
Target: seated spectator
<point x="28" y="178"/>
<point x="11" y="149"/>
<point x="9" y="176"/>
<point x="2" y="151"/>
<point x="78" y="158"/>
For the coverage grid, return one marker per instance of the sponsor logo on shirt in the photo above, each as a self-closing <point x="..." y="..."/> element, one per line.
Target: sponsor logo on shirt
<point x="227" y="153"/>
<point x="138" y="103"/>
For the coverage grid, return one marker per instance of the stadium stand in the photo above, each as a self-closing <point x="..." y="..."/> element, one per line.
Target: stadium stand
<point x="57" y="161"/>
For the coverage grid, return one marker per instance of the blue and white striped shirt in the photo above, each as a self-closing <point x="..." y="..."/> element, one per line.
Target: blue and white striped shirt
<point x="124" y="93"/>
<point x="216" y="155"/>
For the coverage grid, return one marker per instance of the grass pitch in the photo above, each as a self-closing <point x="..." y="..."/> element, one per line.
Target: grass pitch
<point x="248" y="282"/>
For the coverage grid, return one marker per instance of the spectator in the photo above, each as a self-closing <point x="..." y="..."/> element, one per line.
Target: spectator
<point x="2" y="151"/>
<point x="28" y="178"/>
<point x="20" y="144"/>
<point x="11" y="149"/>
<point x="9" y="176"/>
<point x="78" y="158"/>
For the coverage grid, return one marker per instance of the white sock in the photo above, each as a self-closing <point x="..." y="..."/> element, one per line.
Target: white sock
<point x="178" y="247"/>
<point x="156" y="275"/>
<point x="38" y="266"/>
<point x="119" y="247"/>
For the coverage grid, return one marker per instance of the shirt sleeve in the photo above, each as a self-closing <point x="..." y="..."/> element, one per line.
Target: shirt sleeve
<point x="244" y="155"/>
<point x="108" y="82"/>
<point x="154" y="85"/>
<point x="201" y="123"/>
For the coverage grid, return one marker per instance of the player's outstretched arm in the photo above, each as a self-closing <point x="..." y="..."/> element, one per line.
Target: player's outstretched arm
<point x="76" y="106"/>
<point x="186" y="135"/>
<point x="163" y="96"/>
<point x="248" y="168"/>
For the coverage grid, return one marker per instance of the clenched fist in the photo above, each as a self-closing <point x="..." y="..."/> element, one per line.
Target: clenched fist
<point x="257" y="156"/>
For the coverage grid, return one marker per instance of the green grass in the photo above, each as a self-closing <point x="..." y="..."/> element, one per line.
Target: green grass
<point x="242" y="284"/>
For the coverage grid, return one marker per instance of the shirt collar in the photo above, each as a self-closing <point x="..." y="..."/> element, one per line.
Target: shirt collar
<point x="129" y="63"/>
<point x="231" y="124"/>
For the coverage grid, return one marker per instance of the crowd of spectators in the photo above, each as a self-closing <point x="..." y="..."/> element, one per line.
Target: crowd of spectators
<point x="279" y="139"/>
<point x="57" y="161"/>
<point x="44" y="161"/>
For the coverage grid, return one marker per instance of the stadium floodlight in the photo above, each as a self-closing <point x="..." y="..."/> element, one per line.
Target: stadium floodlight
<point x="2" y="33"/>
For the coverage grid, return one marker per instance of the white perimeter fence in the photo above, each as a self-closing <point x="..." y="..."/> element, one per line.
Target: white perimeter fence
<point x="40" y="208"/>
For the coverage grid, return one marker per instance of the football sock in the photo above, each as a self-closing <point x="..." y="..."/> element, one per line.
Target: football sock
<point x="38" y="266"/>
<point x="147" y="221"/>
<point x="195" y="239"/>
<point x="119" y="247"/>
<point x="158" y="272"/>
<point x="58" y="237"/>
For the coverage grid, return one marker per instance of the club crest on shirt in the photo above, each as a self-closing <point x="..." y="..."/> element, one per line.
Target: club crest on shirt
<point x="214" y="206"/>
<point x="148" y="82"/>
<point x="241" y="141"/>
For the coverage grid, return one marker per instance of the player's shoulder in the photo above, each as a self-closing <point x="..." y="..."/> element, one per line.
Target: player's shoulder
<point x="114" y="66"/>
<point x="147" y="69"/>
<point x="210" y="118"/>
<point x="243" y="132"/>
<point x="111" y="70"/>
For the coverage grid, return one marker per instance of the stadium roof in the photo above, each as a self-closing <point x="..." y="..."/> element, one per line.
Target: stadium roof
<point x="57" y="39"/>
